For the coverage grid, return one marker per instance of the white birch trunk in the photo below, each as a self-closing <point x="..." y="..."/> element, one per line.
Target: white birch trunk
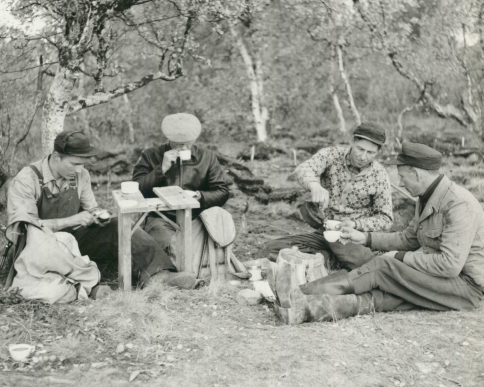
<point x="129" y="118"/>
<point x="56" y="107"/>
<point x="259" y="111"/>
<point x="346" y="81"/>
<point x="332" y="87"/>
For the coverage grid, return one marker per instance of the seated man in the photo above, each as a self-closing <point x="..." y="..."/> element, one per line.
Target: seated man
<point x="437" y="263"/>
<point x="158" y="167"/>
<point x="56" y="193"/>
<point x="350" y="186"/>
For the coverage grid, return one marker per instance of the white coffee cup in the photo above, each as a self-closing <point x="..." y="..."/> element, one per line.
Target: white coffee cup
<point x="331" y="224"/>
<point x="20" y="352"/>
<point x="185" y="155"/>
<point x="332" y="236"/>
<point x="129" y="187"/>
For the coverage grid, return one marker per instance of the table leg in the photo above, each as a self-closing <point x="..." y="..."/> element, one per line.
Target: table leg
<point x="184" y="242"/>
<point x="124" y="252"/>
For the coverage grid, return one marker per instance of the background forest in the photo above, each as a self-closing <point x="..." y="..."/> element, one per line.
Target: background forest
<point x="252" y="71"/>
<point x="275" y="79"/>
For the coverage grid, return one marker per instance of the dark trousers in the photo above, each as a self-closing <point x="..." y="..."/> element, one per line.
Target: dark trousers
<point x="101" y="245"/>
<point x="396" y="286"/>
<point x="350" y="256"/>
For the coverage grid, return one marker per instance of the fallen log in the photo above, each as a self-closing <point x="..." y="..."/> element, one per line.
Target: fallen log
<point x="310" y="146"/>
<point x="279" y="194"/>
<point x="261" y="151"/>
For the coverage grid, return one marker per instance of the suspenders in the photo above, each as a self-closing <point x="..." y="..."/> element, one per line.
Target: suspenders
<point x="50" y="195"/>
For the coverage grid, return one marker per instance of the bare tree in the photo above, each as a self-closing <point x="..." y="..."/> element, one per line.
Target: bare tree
<point x="378" y="17"/>
<point x="80" y="38"/>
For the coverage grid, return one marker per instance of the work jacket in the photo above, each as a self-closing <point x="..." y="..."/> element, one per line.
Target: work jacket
<point x="202" y="173"/>
<point x="446" y="239"/>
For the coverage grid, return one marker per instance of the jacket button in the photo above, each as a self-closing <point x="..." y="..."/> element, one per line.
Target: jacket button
<point x="420" y="228"/>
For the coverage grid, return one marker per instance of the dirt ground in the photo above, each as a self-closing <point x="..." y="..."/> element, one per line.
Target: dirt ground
<point x="166" y="337"/>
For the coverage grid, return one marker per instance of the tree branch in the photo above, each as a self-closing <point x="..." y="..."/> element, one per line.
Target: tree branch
<point x="104" y="97"/>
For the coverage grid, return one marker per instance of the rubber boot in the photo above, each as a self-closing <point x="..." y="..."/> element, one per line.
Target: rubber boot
<point x="181" y="280"/>
<point x="337" y="284"/>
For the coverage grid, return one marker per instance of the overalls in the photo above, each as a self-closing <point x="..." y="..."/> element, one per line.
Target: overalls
<point x="100" y="244"/>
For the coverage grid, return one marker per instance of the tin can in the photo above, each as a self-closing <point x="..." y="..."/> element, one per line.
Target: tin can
<point x="256" y="273"/>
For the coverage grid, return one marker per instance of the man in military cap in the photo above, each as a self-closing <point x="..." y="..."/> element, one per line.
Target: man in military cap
<point x="158" y="167"/>
<point x="346" y="184"/>
<point x="437" y="263"/>
<point x="55" y="193"/>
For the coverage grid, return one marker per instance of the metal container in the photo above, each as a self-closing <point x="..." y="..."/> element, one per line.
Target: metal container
<point x="256" y="273"/>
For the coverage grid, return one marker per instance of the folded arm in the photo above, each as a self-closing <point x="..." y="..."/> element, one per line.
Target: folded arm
<point x="458" y="232"/>
<point x="148" y="176"/>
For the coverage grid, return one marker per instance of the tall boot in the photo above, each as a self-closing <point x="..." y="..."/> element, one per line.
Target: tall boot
<point x="337" y="283"/>
<point x="326" y="307"/>
<point x="294" y="307"/>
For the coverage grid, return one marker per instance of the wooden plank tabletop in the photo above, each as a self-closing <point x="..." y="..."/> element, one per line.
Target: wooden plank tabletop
<point x="175" y="198"/>
<point x="142" y="204"/>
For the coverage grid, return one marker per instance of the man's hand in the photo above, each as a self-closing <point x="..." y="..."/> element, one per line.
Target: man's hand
<point x="168" y="158"/>
<point x="84" y="219"/>
<point x="319" y="194"/>
<point x="346" y="223"/>
<point x="354" y="236"/>
<point x="389" y="254"/>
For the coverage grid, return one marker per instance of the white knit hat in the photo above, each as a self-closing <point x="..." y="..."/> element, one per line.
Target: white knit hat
<point x="181" y="127"/>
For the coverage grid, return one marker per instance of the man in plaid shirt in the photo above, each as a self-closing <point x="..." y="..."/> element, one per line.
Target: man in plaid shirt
<point x="350" y="186"/>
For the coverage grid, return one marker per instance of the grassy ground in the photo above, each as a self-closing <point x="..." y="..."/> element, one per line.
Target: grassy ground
<point x="162" y="336"/>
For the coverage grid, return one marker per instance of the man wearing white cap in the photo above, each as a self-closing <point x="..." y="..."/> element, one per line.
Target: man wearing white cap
<point x="202" y="173"/>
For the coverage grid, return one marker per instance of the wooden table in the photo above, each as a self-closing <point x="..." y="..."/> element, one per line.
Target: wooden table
<point x="169" y="198"/>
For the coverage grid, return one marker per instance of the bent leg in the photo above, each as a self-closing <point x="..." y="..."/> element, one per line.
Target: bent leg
<point x="398" y="279"/>
<point x="161" y="231"/>
<point x="350" y="255"/>
<point x="101" y="245"/>
<point x="311" y="243"/>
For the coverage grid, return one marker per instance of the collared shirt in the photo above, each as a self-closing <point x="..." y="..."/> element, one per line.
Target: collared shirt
<point x="363" y="196"/>
<point x="24" y="192"/>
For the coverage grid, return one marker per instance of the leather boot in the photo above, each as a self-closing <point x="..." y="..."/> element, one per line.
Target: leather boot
<point x="326" y="307"/>
<point x="337" y="284"/>
<point x="294" y="307"/>
<point x="181" y="280"/>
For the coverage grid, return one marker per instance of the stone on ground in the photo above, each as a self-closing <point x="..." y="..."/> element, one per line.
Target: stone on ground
<point x="249" y="297"/>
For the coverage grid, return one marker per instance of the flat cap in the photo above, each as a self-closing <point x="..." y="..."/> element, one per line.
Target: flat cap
<point x="419" y="156"/>
<point x="181" y="127"/>
<point x="74" y="143"/>
<point x="371" y="131"/>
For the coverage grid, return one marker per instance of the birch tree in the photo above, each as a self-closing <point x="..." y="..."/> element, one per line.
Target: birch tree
<point x="428" y="59"/>
<point x="78" y="38"/>
<point x="333" y="24"/>
<point x="248" y="37"/>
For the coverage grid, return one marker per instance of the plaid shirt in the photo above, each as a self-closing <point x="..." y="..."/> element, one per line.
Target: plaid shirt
<point x="363" y="196"/>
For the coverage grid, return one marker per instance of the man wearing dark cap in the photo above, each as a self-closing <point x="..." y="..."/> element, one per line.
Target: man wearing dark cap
<point x="348" y="185"/>
<point x="437" y="263"/>
<point x="55" y="193"/>
<point x="159" y="166"/>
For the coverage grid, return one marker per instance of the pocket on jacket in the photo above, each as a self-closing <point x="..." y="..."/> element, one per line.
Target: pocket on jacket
<point x="433" y="233"/>
<point x="435" y="226"/>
